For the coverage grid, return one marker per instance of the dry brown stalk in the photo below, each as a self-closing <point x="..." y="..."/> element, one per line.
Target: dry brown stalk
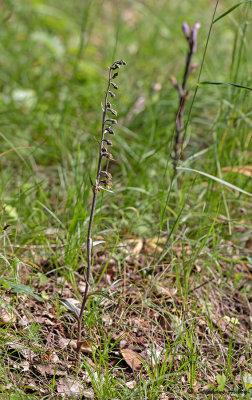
<point x="191" y="37"/>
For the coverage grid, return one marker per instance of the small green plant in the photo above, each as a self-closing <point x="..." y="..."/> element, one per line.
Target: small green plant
<point x="103" y="179"/>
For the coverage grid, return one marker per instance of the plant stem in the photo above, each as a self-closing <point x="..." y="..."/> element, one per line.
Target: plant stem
<point x="191" y="37"/>
<point x="183" y="96"/>
<point x="91" y="219"/>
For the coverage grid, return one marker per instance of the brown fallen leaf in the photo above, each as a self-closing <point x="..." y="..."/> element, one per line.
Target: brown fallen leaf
<point x="70" y="386"/>
<point x="164" y="290"/>
<point x="26" y="352"/>
<point x="43" y="321"/>
<point x="131" y="384"/>
<point x="22" y="365"/>
<point x="241" y="169"/>
<point x="6" y="317"/>
<point x="133" y="359"/>
<point x="137" y="246"/>
<point x="153" y="356"/>
<point x="50" y="369"/>
<point x="86" y="345"/>
<point x="153" y="244"/>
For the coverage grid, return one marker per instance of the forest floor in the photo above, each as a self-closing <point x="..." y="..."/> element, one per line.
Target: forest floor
<point x="169" y="309"/>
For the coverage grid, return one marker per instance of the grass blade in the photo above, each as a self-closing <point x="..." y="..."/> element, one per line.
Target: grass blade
<point x="217" y="180"/>
<point x="224" y="83"/>
<point x="230" y="10"/>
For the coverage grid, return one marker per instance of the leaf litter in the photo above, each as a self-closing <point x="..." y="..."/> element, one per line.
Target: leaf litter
<point x="141" y="316"/>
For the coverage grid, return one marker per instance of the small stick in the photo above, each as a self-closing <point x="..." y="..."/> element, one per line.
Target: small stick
<point x="191" y="37"/>
<point x="202" y="284"/>
<point x="103" y="181"/>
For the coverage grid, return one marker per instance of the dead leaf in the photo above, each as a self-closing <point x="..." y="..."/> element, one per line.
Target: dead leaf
<point x="24" y="320"/>
<point x="86" y="345"/>
<point x="153" y="243"/>
<point x="22" y="365"/>
<point x="248" y="244"/>
<point x="64" y="342"/>
<point x="165" y="291"/>
<point x="123" y="343"/>
<point x="50" y="369"/>
<point x="131" y="384"/>
<point x="44" y="321"/>
<point x="154" y="355"/>
<point x="242" y="169"/>
<point x="82" y="288"/>
<point x="133" y="359"/>
<point x="6" y="317"/>
<point x="27" y="353"/>
<point x="107" y="319"/>
<point x="137" y="246"/>
<point x="70" y="386"/>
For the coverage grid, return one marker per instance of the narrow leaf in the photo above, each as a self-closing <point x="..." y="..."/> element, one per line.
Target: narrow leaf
<point x="100" y="293"/>
<point x="217" y="180"/>
<point x="224" y="83"/>
<point x="70" y="306"/>
<point x="230" y="10"/>
<point x="19" y="288"/>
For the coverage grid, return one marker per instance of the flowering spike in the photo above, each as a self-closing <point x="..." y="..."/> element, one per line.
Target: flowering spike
<point x="107" y="155"/>
<point x="97" y="187"/>
<point x="114" y="85"/>
<point x="109" y="130"/>
<point x="109" y="143"/>
<point x="111" y="120"/>
<point x="106" y="174"/>
<point x="194" y="34"/>
<point x="112" y="111"/>
<point x="115" y="66"/>
<point x="186" y="30"/>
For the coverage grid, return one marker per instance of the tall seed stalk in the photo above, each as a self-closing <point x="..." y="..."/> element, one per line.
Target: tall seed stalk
<point x="103" y="179"/>
<point x="191" y="37"/>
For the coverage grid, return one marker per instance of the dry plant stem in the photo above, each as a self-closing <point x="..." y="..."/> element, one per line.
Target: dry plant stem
<point x="183" y="96"/>
<point x="191" y="37"/>
<point x="96" y="188"/>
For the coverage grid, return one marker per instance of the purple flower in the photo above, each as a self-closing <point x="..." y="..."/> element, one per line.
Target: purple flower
<point x="186" y="30"/>
<point x="194" y="34"/>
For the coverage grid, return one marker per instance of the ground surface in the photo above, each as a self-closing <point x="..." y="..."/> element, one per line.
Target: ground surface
<point x="169" y="312"/>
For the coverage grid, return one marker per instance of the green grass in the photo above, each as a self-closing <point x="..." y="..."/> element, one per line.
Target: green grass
<point x="54" y="59"/>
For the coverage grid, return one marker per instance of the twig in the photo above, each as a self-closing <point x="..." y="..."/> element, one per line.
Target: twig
<point x="103" y="181"/>
<point x="202" y="284"/>
<point x="191" y="37"/>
